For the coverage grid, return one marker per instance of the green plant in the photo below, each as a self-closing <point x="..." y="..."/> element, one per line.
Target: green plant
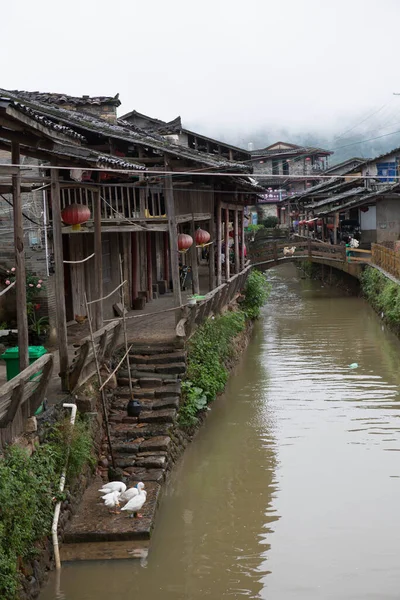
<point x="194" y="401"/>
<point x="382" y="293"/>
<point x="33" y="286"/>
<point x="270" y="222"/>
<point x="254" y="228"/>
<point x="256" y="293"/>
<point x="28" y="492"/>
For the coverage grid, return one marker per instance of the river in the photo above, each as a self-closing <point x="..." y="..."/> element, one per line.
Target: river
<point x="291" y="489"/>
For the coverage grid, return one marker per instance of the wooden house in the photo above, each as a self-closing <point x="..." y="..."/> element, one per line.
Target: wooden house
<point x="142" y="191"/>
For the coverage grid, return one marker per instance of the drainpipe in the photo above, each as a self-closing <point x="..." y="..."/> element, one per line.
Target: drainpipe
<point x="62" y="484"/>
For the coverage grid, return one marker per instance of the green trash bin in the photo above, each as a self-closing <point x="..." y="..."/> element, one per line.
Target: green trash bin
<point x="11" y="356"/>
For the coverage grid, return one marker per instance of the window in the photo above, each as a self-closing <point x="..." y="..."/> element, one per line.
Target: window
<point x="285" y="167"/>
<point x="275" y="167"/>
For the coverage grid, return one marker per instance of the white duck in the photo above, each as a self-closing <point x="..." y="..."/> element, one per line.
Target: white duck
<point x="112" y="501"/>
<point x="131" y="493"/>
<point x="113" y="486"/>
<point x="136" y="503"/>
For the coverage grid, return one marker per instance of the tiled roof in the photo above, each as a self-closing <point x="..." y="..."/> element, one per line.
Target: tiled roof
<point x="306" y="150"/>
<point x="42" y="120"/>
<point x="60" y="99"/>
<point x="359" y="200"/>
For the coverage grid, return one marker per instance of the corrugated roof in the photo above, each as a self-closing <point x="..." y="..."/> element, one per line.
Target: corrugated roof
<point x="360" y="200"/>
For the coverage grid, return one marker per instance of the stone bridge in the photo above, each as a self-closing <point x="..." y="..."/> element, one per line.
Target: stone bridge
<point x="272" y="254"/>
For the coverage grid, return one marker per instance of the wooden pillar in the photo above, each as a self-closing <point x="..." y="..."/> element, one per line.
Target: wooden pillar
<point x="227" y="265"/>
<point x="322" y="231"/>
<point x="173" y="240"/>
<point x="242" y="256"/>
<point x="19" y="253"/>
<point x="211" y="253"/>
<point x="193" y="257"/>
<point x="219" y="242"/>
<point x="166" y="259"/>
<point x="97" y="307"/>
<point x="59" y="280"/>
<point x="149" y="265"/>
<point x="335" y="226"/>
<point x="236" y="239"/>
<point x="134" y="254"/>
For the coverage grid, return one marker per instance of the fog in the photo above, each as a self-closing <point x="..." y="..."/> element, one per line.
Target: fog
<point x="244" y="71"/>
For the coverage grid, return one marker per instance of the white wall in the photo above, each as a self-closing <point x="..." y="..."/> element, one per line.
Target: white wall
<point x="368" y="219"/>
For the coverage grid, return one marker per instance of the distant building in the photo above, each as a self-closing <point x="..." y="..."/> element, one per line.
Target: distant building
<point x="302" y="165"/>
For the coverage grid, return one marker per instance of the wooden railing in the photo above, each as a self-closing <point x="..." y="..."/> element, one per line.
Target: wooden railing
<point x="84" y="364"/>
<point x="212" y="303"/>
<point x="386" y="259"/>
<point x="21" y="397"/>
<point x="118" y="201"/>
<point x="274" y="252"/>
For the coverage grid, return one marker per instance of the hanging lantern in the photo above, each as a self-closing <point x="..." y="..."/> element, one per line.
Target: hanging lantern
<point x="364" y="209"/>
<point x="202" y="237"/>
<point x="185" y="241"/>
<point x="75" y="214"/>
<point x="244" y="250"/>
<point x="308" y="159"/>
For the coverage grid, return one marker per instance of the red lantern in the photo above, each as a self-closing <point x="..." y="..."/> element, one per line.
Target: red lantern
<point x="184" y="242"/>
<point x="75" y="214"/>
<point x="202" y="237"/>
<point x="244" y="250"/>
<point x="308" y="158"/>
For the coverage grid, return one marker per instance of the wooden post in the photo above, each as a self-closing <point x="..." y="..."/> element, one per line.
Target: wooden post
<point x="193" y="257"/>
<point x="211" y="254"/>
<point x="98" y="263"/>
<point x="236" y="238"/>
<point x="166" y="259"/>
<point x="242" y="256"/>
<point x="59" y="284"/>
<point x="322" y="231"/>
<point x="335" y="226"/>
<point x="19" y="253"/>
<point x="219" y="242"/>
<point x="309" y="248"/>
<point x="149" y="265"/>
<point x="134" y="253"/>
<point x="173" y="240"/>
<point x="227" y="265"/>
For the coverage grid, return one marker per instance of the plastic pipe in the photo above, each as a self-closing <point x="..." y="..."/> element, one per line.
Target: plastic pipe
<point x="62" y="484"/>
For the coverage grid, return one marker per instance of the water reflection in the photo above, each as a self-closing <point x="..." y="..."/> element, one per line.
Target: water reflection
<point x="291" y="489"/>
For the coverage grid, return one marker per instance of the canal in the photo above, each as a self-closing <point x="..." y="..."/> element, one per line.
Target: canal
<point x="291" y="489"/>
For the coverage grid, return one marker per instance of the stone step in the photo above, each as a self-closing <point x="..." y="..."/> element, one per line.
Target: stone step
<point x="157" y="348"/>
<point x="158" y="416"/>
<point x="170" y="388"/>
<point x="119" y="404"/>
<point x="127" y="432"/>
<point x="157" y="359"/>
<point x="161" y="442"/>
<point x="148" y="370"/>
<point x="136" y="474"/>
<point x="151" y="462"/>
<point x="127" y="448"/>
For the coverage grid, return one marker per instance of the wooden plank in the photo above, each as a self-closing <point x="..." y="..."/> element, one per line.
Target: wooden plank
<point x="194" y="259"/>
<point x="242" y="240"/>
<point x="38" y="394"/>
<point x="211" y="255"/>
<point x="173" y="239"/>
<point x="149" y="266"/>
<point x="236" y="240"/>
<point x="77" y="366"/>
<point x="59" y="282"/>
<point x="98" y="263"/>
<point x="227" y="264"/>
<point x="19" y="254"/>
<point x="219" y="242"/>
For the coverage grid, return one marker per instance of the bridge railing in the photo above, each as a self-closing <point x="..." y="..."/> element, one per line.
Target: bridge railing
<point x="275" y="252"/>
<point x="386" y="259"/>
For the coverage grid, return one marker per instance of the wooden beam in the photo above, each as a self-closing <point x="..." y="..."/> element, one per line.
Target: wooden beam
<point x="98" y="263"/>
<point x="193" y="258"/>
<point x="219" y="242"/>
<point x="335" y="227"/>
<point x="242" y="256"/>
<point x="173" y="240"/>
<point x="149" y="255"/>
<point x="59" y="282"/>
<point x="227" y="265"/>
<point x="236" y="240"/>
<point x="211" y="255"/>
<point x="19" y="253"/>
<point x="134" y="254"/>
<point x="166" y="259"/>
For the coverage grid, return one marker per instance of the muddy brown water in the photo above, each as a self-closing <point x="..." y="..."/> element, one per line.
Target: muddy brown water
<point x="291" y="490"/>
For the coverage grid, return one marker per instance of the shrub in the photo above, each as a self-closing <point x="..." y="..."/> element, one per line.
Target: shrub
<point x="28" y="490"/>
<point x="270" y="222"/>
<point x="256" y="294"/>
<point x="382" y="293"/>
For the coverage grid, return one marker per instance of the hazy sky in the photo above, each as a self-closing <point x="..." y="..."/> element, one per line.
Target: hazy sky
<point x="223" y="65"/>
